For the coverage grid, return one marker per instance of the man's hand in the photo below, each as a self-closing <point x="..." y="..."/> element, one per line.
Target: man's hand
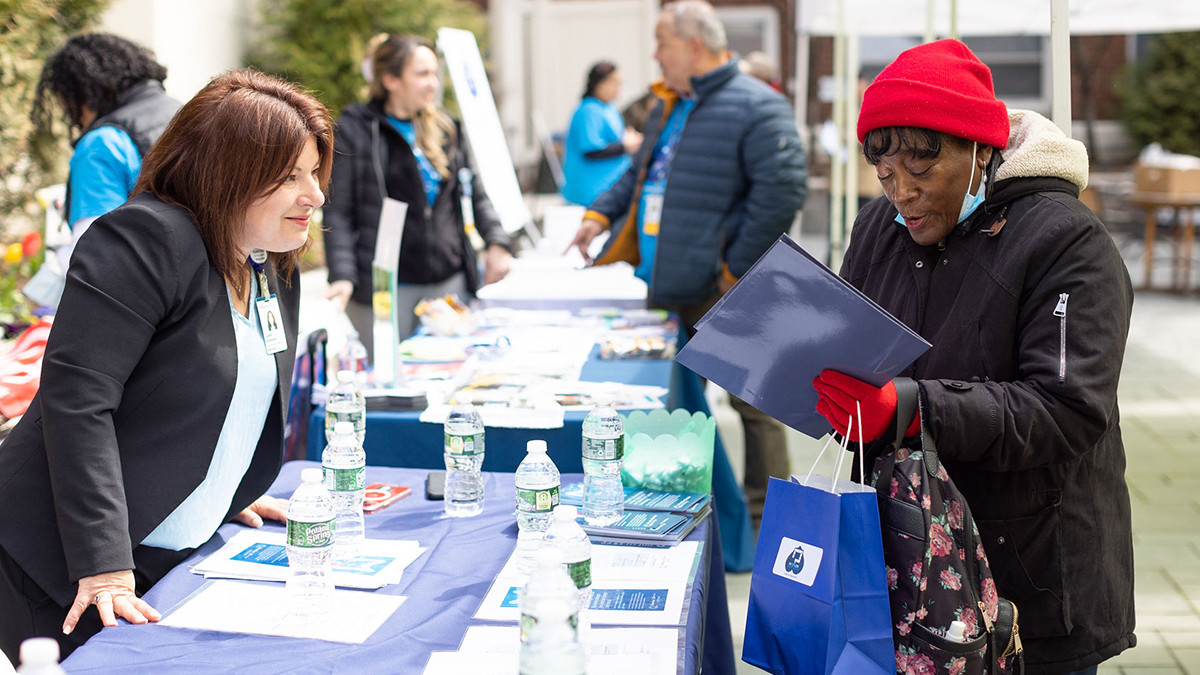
<point x="632" y="141"/>
<point x="495" y="263"/>
<point x="263" y="507"/>
<point x="339" y="293"/>
<point x="588" y="231"/>
<point x="113" y="595"/>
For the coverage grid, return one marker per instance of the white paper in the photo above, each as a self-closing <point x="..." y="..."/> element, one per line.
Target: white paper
<point x="614" y="602"/>
<point x="381" y="562"/>
<point x="505" y="659"/>
<point x="262" y="609"/>
<point x="470" y="663"/>
<point x="636" y="563"/>
<point x="504" y="417"/>
<point x="599" y="642"/>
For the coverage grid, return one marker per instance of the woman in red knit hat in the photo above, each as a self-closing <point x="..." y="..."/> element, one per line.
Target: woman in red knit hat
<point x="981" y="245"/>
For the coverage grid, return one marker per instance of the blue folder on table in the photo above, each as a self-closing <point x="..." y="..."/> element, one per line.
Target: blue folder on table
<point x="786" y="320"/>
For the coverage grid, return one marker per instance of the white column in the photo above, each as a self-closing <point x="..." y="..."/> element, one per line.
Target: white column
<point x="851" y="112"/>
<point x="837" y="164"/>
<point x="1060" y="65"/>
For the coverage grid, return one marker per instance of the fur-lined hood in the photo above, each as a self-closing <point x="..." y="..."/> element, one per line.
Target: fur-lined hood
<point x="1037" y="148"/>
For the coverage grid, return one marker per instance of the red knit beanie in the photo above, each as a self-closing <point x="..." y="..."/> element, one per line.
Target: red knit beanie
<point x="940" y="86"/>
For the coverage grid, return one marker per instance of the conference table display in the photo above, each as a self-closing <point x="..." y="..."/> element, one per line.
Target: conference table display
<point x="452" y="609"/>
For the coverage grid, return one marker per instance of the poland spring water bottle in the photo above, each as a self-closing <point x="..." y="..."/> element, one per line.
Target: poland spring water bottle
<point x="603" y="450"/>
<point x="346" y="404"/>
<point x="353" y="355"/>
<point x="553" y="647"/>
<point x="549" y="581"/>
<point x="345" y="467"/>
<point x="572" y="542"/>
<point x="537" y="495"/>
<point x="309" y="543"/>
<point x="464" y="460"/>
<point x="39" y="656"/>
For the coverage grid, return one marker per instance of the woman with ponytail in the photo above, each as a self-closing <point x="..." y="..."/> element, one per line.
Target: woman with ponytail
<point x="598" y="144"/>
<point x="401" y="145"/>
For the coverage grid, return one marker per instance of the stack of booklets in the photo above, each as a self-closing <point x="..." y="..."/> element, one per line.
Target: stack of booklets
<point x="652" y="518"/>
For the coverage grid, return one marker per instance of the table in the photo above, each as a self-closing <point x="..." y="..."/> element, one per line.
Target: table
<point x="444" y="588"/>
<point x="1183" y="240"/>
<point x="401" y="439"/>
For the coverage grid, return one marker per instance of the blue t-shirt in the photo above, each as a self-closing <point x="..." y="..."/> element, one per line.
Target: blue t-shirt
<point x="595" y="126"/>
<point x="104" y="169"/>
<point x="430" y="178"/>
<point x="655" y="185"/>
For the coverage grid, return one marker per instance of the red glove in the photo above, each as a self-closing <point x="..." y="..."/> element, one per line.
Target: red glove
<point x="837" y="393"/>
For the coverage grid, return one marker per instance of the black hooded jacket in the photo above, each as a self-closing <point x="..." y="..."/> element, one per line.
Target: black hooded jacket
<point x="435" y="245"/>
<point x="1027" y="306"/>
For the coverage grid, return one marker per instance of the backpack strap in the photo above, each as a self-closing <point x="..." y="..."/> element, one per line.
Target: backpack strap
<point x="906" y="405"/>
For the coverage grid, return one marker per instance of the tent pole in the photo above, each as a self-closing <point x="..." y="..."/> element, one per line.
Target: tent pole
<point x="929" y="34"/>
<point x="1060" y="65"/>
<point x="800" y="95"/>
<point x="852" y="58"/>
<point x="837" y="160"/>
<point x="954" y="19"/>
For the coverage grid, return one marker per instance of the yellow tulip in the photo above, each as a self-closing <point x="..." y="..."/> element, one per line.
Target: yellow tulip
<point x="13" y="253"/>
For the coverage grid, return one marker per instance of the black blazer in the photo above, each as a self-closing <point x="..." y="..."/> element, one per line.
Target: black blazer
<point x="137" y="378"/>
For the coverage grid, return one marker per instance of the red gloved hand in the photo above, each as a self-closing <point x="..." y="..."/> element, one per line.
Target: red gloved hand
<point x="837" y="394"/>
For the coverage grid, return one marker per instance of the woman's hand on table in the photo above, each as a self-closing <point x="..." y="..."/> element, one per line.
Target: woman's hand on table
<point x="339" y="293"/>
<point x="113" y="595"/>
<point x="263" y="507"/>
<point x="496" y="263"/>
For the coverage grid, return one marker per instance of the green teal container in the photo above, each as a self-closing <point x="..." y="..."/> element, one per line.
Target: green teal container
<point x="669" y="451"/>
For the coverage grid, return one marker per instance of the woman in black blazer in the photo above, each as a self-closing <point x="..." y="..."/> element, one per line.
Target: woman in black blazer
<point x="161" y="408"/>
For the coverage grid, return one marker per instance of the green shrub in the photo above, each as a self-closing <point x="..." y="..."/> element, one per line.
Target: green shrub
<point x="319" y="43"/>
<point x="1159" y="96"/>
<point x="30" y="30"/>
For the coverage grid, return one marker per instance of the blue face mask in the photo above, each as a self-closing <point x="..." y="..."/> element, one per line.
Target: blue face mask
<point x="970" y="202"/>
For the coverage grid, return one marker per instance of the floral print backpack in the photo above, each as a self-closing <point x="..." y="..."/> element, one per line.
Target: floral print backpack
<point x="936" y="567"/>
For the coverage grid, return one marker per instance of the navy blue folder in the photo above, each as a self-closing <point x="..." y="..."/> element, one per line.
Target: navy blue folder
<point x="786" y="320"/>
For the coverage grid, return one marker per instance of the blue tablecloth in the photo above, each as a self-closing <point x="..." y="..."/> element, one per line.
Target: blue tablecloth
<point x="400" y="439"/>
<point x="444" y="588"/>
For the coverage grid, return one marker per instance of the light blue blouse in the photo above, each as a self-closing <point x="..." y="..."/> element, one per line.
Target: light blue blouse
<point x="199" y="516"/>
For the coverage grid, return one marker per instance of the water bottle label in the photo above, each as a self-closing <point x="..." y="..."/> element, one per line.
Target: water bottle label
<point x="345" y="480"/>
<point x="604" y="448"/>
<point x="310" y="535"/>
<point x="537" y="501"/>
<point x="464" y="445"/>
<point x="528" y="621"/>
<point x="581" y="573"/>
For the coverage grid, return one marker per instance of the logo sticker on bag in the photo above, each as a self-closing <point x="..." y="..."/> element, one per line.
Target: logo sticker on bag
<point x="797" y="561"/>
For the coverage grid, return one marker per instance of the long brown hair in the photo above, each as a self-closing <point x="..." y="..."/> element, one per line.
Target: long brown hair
<point x="391" y="54"/>
<point x="235" y="141"/>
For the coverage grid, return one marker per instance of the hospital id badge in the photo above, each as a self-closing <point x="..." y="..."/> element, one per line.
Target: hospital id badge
<point x="271" y="321"/>
<point x="653" y="215"/>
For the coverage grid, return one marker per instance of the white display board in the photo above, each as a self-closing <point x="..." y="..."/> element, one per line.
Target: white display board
<point x="482" y="122"/>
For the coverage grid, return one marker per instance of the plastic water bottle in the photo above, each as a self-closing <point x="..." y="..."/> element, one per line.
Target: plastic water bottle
<point x="553" y="647"/>
<point x="464" y="459"/>
<point x="603" y="450"/>
<point x="572" y="542"/>
<point x="310" y="535"/>
<point x="537" y="495"/>
<point x="39" y="656"/>
<point x="346" y="404"/>
<point x="550" y="581"/>
<point x="345" y="476"/>
<point x="353" y="355"/>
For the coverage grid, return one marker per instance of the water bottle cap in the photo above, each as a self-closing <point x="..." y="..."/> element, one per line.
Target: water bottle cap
<point x="536" y="446"/>
<point x="603" y="400"/>
<point x="343" y="428"/>
<point x="345" y="376"/>
<point x="313" y="475"/>
<point x="39" y="652"/>
<point x="957" y="631"/>
<point x="565" y="512"/>
<point x="547" y="556"/>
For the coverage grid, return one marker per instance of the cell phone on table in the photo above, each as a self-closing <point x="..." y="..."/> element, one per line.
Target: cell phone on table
<point x="435" y="485"/>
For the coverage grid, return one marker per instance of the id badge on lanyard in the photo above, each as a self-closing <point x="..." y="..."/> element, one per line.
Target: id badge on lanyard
<point x="267" y="305"/>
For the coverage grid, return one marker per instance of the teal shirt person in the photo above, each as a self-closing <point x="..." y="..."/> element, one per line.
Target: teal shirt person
<point x="594" y="157"/>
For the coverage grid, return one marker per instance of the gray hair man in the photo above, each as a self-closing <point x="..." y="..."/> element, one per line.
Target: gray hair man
<point x="720" y="175"/>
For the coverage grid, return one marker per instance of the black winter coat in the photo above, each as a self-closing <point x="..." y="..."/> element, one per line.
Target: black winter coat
<point x="435" y="245"/>
<point x="1022" y="402"/>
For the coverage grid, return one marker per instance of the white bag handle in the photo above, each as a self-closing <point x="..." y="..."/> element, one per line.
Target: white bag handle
<point x="837" y="469"/>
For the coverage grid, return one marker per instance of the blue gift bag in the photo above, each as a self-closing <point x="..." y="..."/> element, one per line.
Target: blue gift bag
<point x="819" y="596"/>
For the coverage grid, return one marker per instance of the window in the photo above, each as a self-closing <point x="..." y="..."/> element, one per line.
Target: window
<point x="752" y="29"/>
